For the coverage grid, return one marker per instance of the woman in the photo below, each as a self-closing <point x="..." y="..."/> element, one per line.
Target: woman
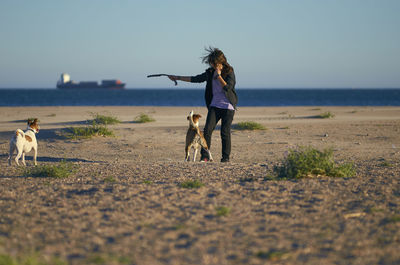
<point x="220" y="96"/>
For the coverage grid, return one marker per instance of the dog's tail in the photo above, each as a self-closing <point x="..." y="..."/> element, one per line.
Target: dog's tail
<point x="192" y="123"/>
<point x="19" y="132"/>
<point x="191" y="119"/>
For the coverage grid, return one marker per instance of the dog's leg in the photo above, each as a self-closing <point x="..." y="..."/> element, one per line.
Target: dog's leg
<point x="12" y="148"/>
<point x="187" y="156"/>
<point x="194" y="154"/>
<point x="23" y="158"/>
<point x="209" y="154"/>
<point x="35" y="156"/>
<point x="19" y="154"/>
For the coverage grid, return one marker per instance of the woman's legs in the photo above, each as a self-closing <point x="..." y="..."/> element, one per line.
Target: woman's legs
<point x="211" y="122"/>
<point x="226" y="123"/>
<point x="213" y="116"/>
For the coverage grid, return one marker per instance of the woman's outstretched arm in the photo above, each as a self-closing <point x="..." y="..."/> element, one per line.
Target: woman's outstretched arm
<point x="180" y="78"/>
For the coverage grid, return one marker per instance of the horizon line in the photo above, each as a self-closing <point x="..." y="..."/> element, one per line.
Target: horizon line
<point x="202" y="88"/>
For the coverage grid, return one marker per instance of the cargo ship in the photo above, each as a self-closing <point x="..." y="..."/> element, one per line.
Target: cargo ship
<point x="65" y="82"/>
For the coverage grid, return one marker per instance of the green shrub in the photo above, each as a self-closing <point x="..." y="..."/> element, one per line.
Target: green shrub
<point x="110" y="179"/>
<point x="7" y="260"/>
<point x="250" y="125"/>
<point x="222" y="210"/>
<point x="105" y="120"/>
<point x="60" y="170"/>
<point x="89" y="131"/>
<point x="143" y="118"/>
<point x="146" y="181"/>
<point x="326" y="115"/>
<point x="31" y="259"/>
<point x="309" y="162"/>
<point x="384" y="163"/>
<point x="271" y="255"/>
<point x="394" y="219"/>
<point x="191" y="184"/>
<point x="107" y="259"/>
<point x="247" y="179"/>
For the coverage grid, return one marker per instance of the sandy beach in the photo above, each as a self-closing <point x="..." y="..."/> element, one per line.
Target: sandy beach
<point x="125" y="206"/>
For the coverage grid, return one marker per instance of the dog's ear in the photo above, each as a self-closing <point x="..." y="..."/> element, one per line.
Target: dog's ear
<point x="196" y="117"/>
<point x="188" y="118"/>
<point x="30" y="121"/>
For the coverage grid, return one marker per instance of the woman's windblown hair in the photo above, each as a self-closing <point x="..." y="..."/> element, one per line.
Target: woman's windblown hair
<point x="215" y="56"/>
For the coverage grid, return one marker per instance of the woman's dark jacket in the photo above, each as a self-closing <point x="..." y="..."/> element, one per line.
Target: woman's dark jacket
<point x="229" y="89"/>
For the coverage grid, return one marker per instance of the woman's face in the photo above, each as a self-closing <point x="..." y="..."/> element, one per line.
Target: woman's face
<point x="217" y="65"/>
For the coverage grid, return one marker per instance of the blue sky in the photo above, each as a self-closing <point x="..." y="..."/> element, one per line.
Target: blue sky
<point x="271" y="44"/>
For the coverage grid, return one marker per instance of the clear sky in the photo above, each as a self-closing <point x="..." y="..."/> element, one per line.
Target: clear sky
<point x="270" y="43"/>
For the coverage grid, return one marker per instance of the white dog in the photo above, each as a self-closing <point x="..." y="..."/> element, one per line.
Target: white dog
<point x="195" y="138"/>
<point x="24" y="142"/>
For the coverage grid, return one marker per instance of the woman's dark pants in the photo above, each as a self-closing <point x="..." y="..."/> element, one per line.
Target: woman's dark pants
<point x="213" y="117"/>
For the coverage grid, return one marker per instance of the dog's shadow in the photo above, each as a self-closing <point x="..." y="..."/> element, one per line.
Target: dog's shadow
<point x="54" y="159"/>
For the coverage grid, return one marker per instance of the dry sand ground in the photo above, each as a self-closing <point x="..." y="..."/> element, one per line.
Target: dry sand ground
<point x="125" y="206"/>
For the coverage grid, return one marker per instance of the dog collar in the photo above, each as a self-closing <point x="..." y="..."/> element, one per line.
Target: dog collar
<point x="30" y="129"/>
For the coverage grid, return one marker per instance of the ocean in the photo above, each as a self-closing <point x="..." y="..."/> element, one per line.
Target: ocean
<point x="195" y="97"/>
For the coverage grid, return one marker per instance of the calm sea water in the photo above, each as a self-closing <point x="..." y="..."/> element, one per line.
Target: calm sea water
<point x="195" y="97"/>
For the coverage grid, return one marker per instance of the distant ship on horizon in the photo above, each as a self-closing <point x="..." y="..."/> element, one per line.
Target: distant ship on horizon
<point x="65" y="82"/>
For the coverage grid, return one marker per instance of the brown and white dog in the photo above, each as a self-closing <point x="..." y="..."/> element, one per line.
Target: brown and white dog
<point x="194" y="137"/>
<point x="24" y="142"/>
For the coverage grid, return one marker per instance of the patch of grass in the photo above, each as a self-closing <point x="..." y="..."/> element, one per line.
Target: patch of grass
<point x="89" y="131"/>
<point x="108" y="259"/>
<point x="97" y="259"/>
<point x="222" y="210"/>
<point x="310" y="162"/>
<point x="384" y="163"/>
<point x="144" y="118"/>
<point x="373" y="210"/>
<point x="105" y="120"/>
<point x="149" y="182"/>
<point x="60" y="170"/>
<point x="250" y="125"/>
<point x="124" y="260"/>
<point x="269" y="177"/>
<point x="110" y="179"/>
<point x="392" y="219"/>
<point x="7" y="260"/>
<point x="326" y="115"/>
<point x="30" y="259"/>
<point x="384" y="240"/>
<point x="179" y="226"/>
<point x="247" y="179"/>
<point x="191" y="184"/>
<point x="271" y="255"/>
